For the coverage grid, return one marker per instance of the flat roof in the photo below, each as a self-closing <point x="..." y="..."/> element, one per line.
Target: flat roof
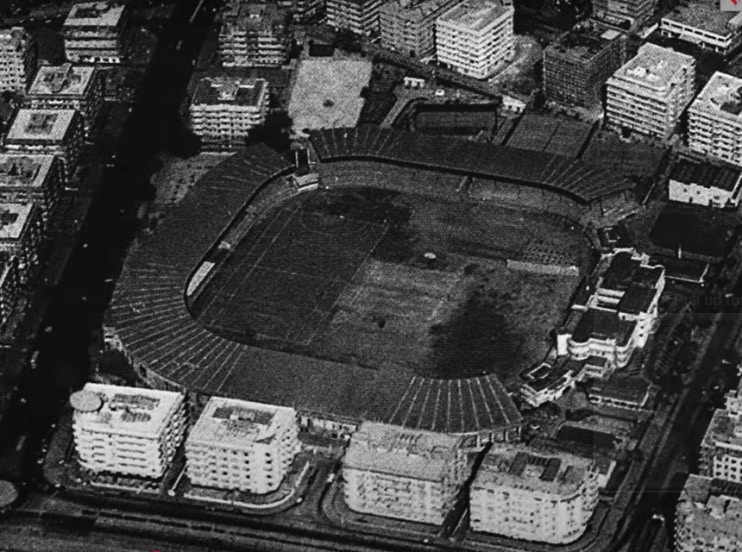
<point x="632" y="389"/>
<point x="521" y="467"/>
<point x="41" y="124"/>
<point x="414" y="11"/>
<point x="236" y="424"/>
<point x="583" y="42"/>
<point x="94" y="14"/>
<point x="229" y="90"/>
<point x="401" y="451"/>
<point x="13" y="218"/>
<point x="130" y="410"/>
<point x="713" y="512"/>
<point x="62" y="80"/>
<point x="253" y="15"/>
<point x="601" y="324"/>
<point x="625" y="271"/>
<point x="723" y="429"/>
<point x="722" y="94"/>
<point x="708" y="175"/>
<point x="706" y="16"/>
<point x="654" y="66"/>
<point x="475" y="14"/>
<point x="18" y="170"/>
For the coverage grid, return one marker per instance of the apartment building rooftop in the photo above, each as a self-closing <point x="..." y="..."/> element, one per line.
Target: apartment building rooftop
<point x="401" y="451"/>
<point x="236" y="423"/>
<point x="252" y="15"/>
<point x="41" y="124"/>
<point x="63" y="80"/>
<point x="475" y="14"/>
<point x="13" y="218"/>
<point x="229" y="90"/>
<point x="521" y="467"/>
<point x="722" y="93"/>
<point x="654" y="67"/>
<point x="13" y="34"/>
<point x="125" y="410"/>
<point x="413" y="10"/>
<point x="723" y="429"/>
<point x="583" y="43"/>
<point x="724" y="177"/>
<point x="94" y="14"/>
<point x="22" y="170"/>
<point x="715" y="507"/>
<point x="705" y="15"/>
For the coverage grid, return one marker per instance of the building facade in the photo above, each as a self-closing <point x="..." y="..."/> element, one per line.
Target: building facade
<point x="9" y="287"/>
<point x="68" y="86"/>
<point x="403" y="473"/>
<point x="715" y="119"/>
<point x="21" y="235"/>
<point x="17" y="59"/>
<point x="578" y="64"/>
<point x="629" y="14"/>
<point x="476" y="37"/>
<point x="127" y="430"/>
<point x="408" y="26"/>
<point x="224" y="110"/>
<point x="241" y="445"/>
<point x="94" y="32"/>
<point x="703" y="183"/>
<point x="525" y="494"/>
<point x="359" y="16"/>
<point x="704" y="24"/>
<point x="253" y="34"/>
<point x="649" y="93"/>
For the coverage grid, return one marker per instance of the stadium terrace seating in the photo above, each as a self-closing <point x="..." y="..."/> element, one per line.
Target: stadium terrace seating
<point x="581" y="181"/>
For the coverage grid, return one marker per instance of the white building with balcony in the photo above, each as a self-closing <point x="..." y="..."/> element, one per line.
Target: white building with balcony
<point x="17" y="59"/>
<point x="31" y="178"/>
<point x="721" y="448"/>
<point x="702" y="23"/>
<point x="94" y="31"/>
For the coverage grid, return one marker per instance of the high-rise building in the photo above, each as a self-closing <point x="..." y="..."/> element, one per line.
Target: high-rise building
<point x="702" y="23"/>
<point x="403" y="473"/>
<point x="94" y="32"/>
<point x="359" y="16"/>
<point x="525" y="494"/>
<point x="127" y="430"/>
<point x="253" y="34"/>
<point x="715" y="119"/>
<point x="631" y="13"/>
<point x="649" y="93"/>
<point x="68" y="86"/>
<point x="31" y="178"/>
<point x="224" y="110"/>
<point x="21" y="235"/>
<point x="17" y="59"/>
<point x="476" y="37"/>
<point x="408" y="26"/>
<point x="241" y="445"/>
<point x="577" y="65"/>
<point x="708" y="516"/>
<point x="721" y="448"/>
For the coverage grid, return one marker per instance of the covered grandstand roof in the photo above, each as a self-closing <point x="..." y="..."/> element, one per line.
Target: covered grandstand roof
<point x="152" y="320"/>
<point x="582" y="181"/>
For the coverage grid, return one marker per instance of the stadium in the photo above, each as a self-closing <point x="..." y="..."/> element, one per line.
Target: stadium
<point x="270" y="287"/>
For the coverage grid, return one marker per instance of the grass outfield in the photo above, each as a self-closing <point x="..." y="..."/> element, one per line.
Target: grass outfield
<point x="387" y="280"/>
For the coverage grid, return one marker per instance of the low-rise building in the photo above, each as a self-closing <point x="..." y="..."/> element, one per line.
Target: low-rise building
<point x="94" y="32"/>
<point x="703" y="183"/>
<point x="241" y="445"/>
<point x="403" y="473"/>
<point x="359" y="16"/>
<point x="578" y="64"/>
<point x="649" y="93"/>
<point x="68" y="86"/>
<point x="547" y="383"/>
<point x="224" y="110"/>
<point x="621" y="391"/>
<point x="475" y="37"/>
<point x="253" y="34"/>
<point x="127" y="430"/>
<point x="708" y="516"/>
<point x="525" y="494"/>
<point x="31" y="178"/>
<point x="715" y="119"/>
<point x="702" y="23"/>
<point x="17" y="59"/>
<point x="21" y="235"/>
<point x="48" y="131"/>
<point x="721" y="448"/>
<point x="408" y="26"/>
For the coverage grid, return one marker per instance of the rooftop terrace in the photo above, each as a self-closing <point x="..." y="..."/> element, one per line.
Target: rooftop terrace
<point x="94" y="14"/>
<point x="654" y="67"/>
<point x="722" y="93"/>
<point x="41" y="124"/>
<point x="229" y="90"/>
<point x="475" y="14"/>
<point x="29" y="171"/>
<point x="62" y="80"/>
<point x="706" y="15"/>
<point x="13" y="218"/>
<point x="584" y="43"/>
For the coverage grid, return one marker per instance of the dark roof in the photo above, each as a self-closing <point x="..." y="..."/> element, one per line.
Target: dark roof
<point x="581" y="181"/>
<point x="705" y="174"/>
<point x="624" y="273"/>
<point x="636" y="300"/>
<point x="624" y="388"/>
<point x="686" y="270"/>
<point x="151" y="318"/>
<point x="602" y="324"/>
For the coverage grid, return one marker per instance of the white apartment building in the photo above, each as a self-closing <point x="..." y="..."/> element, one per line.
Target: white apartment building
<point x="702" y="23"/>
<point x="241" y="445"/>
<point x="93" y="32"/>
<point x="721" y="448"/>
<point x="525" y="494"/>
<point x="21" y="235"/>
<point x="48" y="131"/>
<point x="17" y="59"/>
<point x="703" y="183"/>
<point x="708" y="517"/>
<point x="650" y="92"/>
<point x="224" y="109"/>
<point x="403" y="473"/>
<point x="359" y="16"/>
<point x="617" y="314"/>
<point x="408" y="26"/>
<point x="715" y="119"/>
<point x="68" y="86"/>
<point x="31" y="178"/>
<point x="546" y="383"/>
<point x="253" y="34"/>
<point x="476" y="36"/>
<point x="127" y="430"/>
